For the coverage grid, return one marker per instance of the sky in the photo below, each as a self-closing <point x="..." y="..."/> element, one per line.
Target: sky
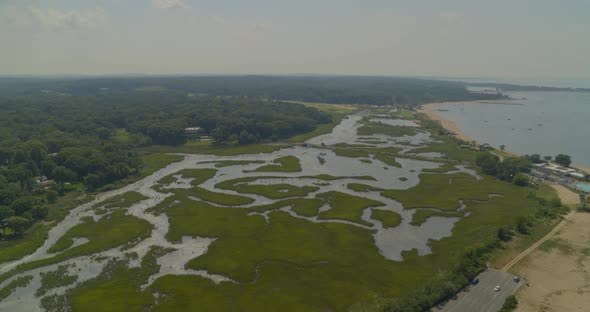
<point x="440" y="38"/>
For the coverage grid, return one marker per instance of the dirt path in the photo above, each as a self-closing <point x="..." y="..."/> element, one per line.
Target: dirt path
<point x="534" y="246"/>
<point x="567" y="197"/>
<point x="557" y="274"/>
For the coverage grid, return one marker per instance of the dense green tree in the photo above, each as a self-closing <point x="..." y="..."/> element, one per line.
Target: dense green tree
<point x="520" y="180"/>
<point x="504" y="234"/>
<point x="9" y="192"/>
<point x="522" y="225"/>
<point x="17" y="224"/>
<point x="510" y="304"/>
<point x="92" y="181"/>
<point x="5" y="213"/>
<point x="22" y="205"/>
<point x="39" y="212"/>
<point x="48" y="167"/>
<point x="51" y="196"/>
<point x="63" y="174"/>
<point x="534" y="158"/>
<point x="246" y="138"/>
<point x="564" y="160"/>
<point x="509" y="167"/>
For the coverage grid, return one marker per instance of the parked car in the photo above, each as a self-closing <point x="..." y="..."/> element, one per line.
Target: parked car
<point x="516" y="279"/>
<point x="475" y="281"/>
<point x="497" y="288"/>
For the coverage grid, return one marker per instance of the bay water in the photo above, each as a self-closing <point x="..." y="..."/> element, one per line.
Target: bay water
<point x="538" y="122"/>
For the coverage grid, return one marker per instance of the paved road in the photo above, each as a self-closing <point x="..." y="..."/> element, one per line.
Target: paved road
<point x="482" y="297"/>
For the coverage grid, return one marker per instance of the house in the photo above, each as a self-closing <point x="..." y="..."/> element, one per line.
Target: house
<point x="554" y="169"/>
<point x="43" y="181"/>
<point x="192" y="130"/>
<point x="485" y="147"/>
<point x="577" y="175"/>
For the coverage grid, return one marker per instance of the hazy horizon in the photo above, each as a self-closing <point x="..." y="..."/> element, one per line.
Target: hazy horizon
<point x="422" y="39"/>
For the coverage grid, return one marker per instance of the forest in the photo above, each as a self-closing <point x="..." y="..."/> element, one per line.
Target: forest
<point x="53" y="143"/>
<point x="327" y="89"/>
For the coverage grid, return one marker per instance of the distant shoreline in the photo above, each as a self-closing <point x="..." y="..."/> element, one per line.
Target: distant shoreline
<point x="431" y="110"/>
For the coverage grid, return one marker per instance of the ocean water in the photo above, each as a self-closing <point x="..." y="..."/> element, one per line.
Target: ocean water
<point x="545" y="123"/>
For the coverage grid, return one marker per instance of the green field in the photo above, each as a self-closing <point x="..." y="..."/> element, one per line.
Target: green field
<point x="346" y="207"/>
<point x="420" y="216"/>
<point x="124" y="200"/>
<point x="274" y="191"/>
<point x="227" y="163"/>
<point x="388" y="160"/>
<point x="54" y="279"/>
<point x="282" y="164"/>
<point x="388" y="218"/>
<point x="350" y="152"/>
<point x="358" y="187"/>
<point x="444" y="191"/>
<point x="215" y="197"/>
<point x="378" y="128"/>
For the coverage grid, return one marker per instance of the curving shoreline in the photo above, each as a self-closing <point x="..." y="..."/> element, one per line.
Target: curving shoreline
<point x="431" y="110"/>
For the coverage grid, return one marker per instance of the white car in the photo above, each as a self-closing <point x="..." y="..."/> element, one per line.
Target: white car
<point x="497" y="288"/>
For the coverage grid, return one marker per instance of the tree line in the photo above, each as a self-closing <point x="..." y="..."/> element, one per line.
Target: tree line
<point x="328" y="89"/>
<point x="52" y="143"/>
<point x="560" y="159"/>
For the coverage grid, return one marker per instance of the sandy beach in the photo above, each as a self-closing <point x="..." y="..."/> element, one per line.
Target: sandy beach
<point x="431" y="110"/>
<point x="583" y="168"/>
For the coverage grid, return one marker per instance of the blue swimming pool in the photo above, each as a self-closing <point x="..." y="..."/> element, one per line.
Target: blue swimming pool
<point x="583" y="187"/>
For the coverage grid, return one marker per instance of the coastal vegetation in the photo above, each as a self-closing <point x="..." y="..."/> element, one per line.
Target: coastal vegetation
<point x="12" y="286"/>
<point x="293" y="239"/>
<point x="560" y="159"/>
<point x="346" y="207"/>
<point x="282" y="164"/>
<point x="274" y="191"/>
<point x="388" y="218"/>
<point x="54" y="279"/>
<point x="509" y="169"/>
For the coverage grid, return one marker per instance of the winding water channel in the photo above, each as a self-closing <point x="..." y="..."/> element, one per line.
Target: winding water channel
<point x="391" y="242"/>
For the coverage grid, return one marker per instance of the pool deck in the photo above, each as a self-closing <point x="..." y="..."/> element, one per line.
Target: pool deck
<point x="583" y="187"/>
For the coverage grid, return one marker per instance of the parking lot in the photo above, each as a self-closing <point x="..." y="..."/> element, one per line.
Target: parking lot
<point x="482" y="297"/>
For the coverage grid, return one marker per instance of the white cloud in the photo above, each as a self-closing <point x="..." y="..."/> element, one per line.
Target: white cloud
<point x="169" y="4"/>
<point x="23" y="16"/>
<point x="53" y="19"/>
